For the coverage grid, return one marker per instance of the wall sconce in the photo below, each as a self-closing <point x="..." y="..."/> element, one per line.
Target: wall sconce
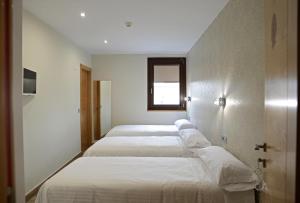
<point x="188" y="99"/>
<point x="221" y="102"/>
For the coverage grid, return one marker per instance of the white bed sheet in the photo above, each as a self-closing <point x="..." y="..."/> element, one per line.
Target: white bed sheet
<point x="143" y="130"/>
<point x="136" y="180"/>
<point x="151" y="146"/>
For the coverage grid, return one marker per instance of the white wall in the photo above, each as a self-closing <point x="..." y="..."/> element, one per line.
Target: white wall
<point x="18" y="148"/>
<point x="228" y="60"/>
<point x="128" y="74"/>
<point x="51" y="120"/>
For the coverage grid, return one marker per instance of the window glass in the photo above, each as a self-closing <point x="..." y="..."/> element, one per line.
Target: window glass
<point x="166" y="85"/>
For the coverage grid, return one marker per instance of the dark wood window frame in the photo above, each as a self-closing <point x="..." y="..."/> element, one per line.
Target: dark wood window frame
<point x="181" y="61"/>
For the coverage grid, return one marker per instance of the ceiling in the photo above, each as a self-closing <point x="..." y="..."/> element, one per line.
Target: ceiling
<point x="159" y="26"/>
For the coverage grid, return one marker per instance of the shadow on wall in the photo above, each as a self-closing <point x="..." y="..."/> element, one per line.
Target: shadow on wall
<point x="27" y="99"/>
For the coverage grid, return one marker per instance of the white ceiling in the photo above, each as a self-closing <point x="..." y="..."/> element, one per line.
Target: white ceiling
<point x="159" y="26"/>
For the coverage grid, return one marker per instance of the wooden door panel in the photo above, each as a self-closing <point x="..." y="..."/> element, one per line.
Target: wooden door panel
<point x="278" y="105"/>
<point x="275" y="95"/>
<point x="85" y="107"/>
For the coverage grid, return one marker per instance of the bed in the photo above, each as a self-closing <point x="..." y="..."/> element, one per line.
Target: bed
<point x="143" y="130"/>
<point x="153" y="146"/>
<point x="137" y="180"/>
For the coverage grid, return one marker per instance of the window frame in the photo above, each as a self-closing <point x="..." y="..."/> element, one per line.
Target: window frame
<point x="181" y="61"/>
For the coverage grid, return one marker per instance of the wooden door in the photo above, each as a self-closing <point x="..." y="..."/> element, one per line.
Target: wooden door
<point x="97" y="110"/>
<point x="85" y="107"/>
<point x="5" y="101"/>
<point x="280" y="100"/>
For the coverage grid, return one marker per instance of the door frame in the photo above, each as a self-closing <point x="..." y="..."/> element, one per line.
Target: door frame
<point x="89" y="112"/>
<point x="97" y="109"/>
<point x="298" y="111"/>
<point x="6" y="175"/>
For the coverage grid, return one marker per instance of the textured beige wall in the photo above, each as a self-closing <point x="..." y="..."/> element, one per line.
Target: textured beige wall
<point x="229" y="60"/>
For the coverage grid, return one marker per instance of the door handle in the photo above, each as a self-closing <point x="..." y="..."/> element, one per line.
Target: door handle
<point x="263" y="161"/>
<point x="263" y="146"/>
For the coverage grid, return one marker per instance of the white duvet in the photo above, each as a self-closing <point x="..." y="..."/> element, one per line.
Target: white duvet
<point x="136" y="180"/>
<point x="153" y="146"/>
<point x="143" y="130"/>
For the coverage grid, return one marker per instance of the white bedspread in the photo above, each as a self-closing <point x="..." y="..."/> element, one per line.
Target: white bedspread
<point x="155" y="146"/>
<point x="143" y="130"/>
<point x="136" y="180"/>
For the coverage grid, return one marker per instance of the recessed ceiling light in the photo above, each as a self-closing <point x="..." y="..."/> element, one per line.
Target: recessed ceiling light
<point x="105" y="41"/>
<point x="128" y="23"/>
<point x="82" y="14"/>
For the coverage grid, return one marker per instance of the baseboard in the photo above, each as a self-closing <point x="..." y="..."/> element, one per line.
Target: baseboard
<point x="35" y="190"/>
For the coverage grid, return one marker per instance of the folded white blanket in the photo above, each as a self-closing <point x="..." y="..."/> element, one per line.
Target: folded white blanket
<point x="151" y="146"/>
<point x="136" y="180"/>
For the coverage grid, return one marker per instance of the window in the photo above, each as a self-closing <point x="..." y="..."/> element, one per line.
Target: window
<point x="166" y="83"/>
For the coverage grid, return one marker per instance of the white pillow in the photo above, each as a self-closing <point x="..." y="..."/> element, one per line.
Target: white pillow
<point x="226" y="170"/>
<point x="193" y="138"/>
<point x="183" y="124"/>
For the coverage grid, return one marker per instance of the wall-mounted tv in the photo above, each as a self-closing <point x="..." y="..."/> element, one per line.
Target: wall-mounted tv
<point x="29" y="82"/>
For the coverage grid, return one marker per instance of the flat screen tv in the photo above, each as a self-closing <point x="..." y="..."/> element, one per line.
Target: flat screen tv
<point x="29" y="82"/>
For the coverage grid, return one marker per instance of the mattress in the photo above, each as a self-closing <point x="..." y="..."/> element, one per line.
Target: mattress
<point x="143" y="130"/>
<point x="136" y="180"/>
<point x="151" y="146"/>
